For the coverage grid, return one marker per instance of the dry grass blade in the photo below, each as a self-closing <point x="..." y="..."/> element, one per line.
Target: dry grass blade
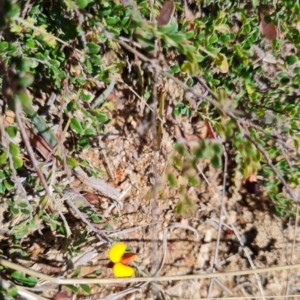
<point x="8" y="264"/>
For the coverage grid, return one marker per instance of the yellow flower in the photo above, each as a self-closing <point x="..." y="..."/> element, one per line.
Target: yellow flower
<point x="120" y="270"/>
<point x="117" y="255"/>
<point x="116" y="252"/>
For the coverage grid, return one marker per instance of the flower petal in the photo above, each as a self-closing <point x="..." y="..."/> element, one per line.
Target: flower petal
<point x="116" y="252"/>
<point x="121" y="270"/>
<point x="128" y="258"/>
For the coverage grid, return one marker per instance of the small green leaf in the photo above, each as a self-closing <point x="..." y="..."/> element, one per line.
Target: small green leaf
<point x="72" y="162"/>
<point x="89" y="132"/>
<point x="23" y="204"/>
<point x="12" y="292"/>
<point x="30" y="43"/>
<point x="84" y="142"/>
<point x="14" y="211"/>
<point x="255" y="3"/>
<point x="112" y="20"/>
<point x="93" y="47"/>
<point x="193" y="180"/>
<point x="85" y="97"/>
<point x="76" y="272"/>
<point x="18" y="162"/>
<point x="216" y="161"/>
<point x="12" y="131"/>
<point x="25" y="212"/>
<point x="102" y="117"/>
<point x="190" y="68"/>
<point x="76" y="126"/>
<point x="297" y="71"/>
<point x="14" y="149"/>
<point x="85" y="288"/>
<point x="291" y="59"/>
<point x="20" y="277"/>
<point x="14" y="11"/>
<point x="179" y="148"/>
<point x="3" y="157"/>
<point x="213" y="39"/>
<point x="25" y="64"/>
<point x="217" y="148"/>
<point x="8" y="185"/>
<point x="2" y="187"/>
<point x="32" y="224"/>
<point x="70" y="106"/>
<point x="172" y="180"/>
<point x="89" y="66"/>
<point x="26" y="80"/>
<point x="296" y="143"/>
<point x="83" y="3"/>
<point x="73" y="288"/>
<point x="40" y="56"/>
<point x="3" y="46"/>
<point x="203" y="151"/>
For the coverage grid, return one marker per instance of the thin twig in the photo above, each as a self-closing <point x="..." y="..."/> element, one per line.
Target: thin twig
<point x="30" y="150"/>
<point x="222" y="208"/>
<point x="11" y="265"/>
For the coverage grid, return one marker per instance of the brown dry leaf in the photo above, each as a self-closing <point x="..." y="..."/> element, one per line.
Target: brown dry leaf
<point x="35" y="250"/>
<point x="118" y="177"/>
<point x="91" y="198"/>
<point x="191" y="140"/>
<point x="63" y="295"/>
<point x="210" y="131"/>
<point x="75" y="69"/>
<point x="166" y="13"/>
<point x="269" y="30"/>
<point x="9" y="117"/>
<point x="38" y="143"/>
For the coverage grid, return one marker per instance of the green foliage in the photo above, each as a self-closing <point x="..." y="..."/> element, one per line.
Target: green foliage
<point x="71" y="48"/>
<point x="23" y="279"/>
